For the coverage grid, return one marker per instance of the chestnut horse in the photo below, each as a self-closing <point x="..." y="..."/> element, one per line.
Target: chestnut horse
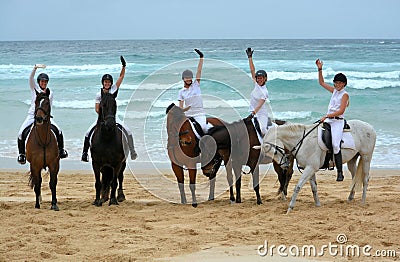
<point x="108" y="149"/>
<point x="42" y="150"/>
<point x="235" y="143"/>
<point x="184" y="151"/>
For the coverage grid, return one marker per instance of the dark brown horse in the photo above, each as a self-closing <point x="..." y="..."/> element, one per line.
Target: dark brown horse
<point x="183" y="150"/>
<point x="108" y="149"/>
<point x="42" y="150"/>
<point x="235" y="143"/>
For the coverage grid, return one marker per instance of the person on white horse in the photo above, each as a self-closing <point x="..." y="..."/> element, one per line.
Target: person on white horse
<point x="335" y="115"/>
<point x="39" y="87"/>
<point x="190" y="95"/>
<point x="259" y="95"/>
<point x="109" y="87"/>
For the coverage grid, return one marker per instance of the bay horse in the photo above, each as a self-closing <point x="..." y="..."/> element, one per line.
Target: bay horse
<point x="236" y="144"/>
<point x="183" y="150"/>
<point x="302" y="141"/>
<point x="42" y="150"/>
<point x="108" y="150"/>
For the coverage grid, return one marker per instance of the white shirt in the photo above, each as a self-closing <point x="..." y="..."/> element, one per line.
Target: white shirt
<point x="35" y="87"/>
<point x="191" y="96"/>
<point x="259" y="93"/>
<point x="336" y="100"/>
<point x="112" y="90"/>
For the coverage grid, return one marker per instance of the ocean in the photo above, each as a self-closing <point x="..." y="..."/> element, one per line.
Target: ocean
<point x="152" y="82"/>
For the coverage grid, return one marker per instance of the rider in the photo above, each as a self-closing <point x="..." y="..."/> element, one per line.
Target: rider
<point x="190" y="95"/>
<point x="335" y="115"/>
<point x="108" y="87"/>
<point x="40" y="87"/>
<point x="259" y="95"/>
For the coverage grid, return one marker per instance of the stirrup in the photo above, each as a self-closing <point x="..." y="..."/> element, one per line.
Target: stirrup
<point x="85" y="157"/>
<point x="63" y="153"/>
<point x="21" y="159"/>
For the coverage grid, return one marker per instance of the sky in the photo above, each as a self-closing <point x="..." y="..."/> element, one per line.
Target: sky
<point x="203" y="19"/>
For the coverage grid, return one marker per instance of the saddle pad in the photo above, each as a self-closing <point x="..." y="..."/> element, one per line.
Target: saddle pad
<point x="347" y="140"/>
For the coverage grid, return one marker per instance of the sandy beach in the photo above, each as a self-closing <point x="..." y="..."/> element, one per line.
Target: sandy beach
<point x="146" y="228"/>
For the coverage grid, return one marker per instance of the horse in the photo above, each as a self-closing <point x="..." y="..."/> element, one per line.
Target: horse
<point x="42" y="150"/>
<point x="184" y="151"/>
<point x="236" y="144"/>
<point x="302" y="142"/>
<point x="108" y="150"/>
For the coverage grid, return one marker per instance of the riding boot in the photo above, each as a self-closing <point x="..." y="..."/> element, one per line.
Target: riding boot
<point x="86" y="145"/>
<point x="328" y="158"/>
<point x="339" y="166"/>
<point x="60" y="140"/>
<point x="21" y="149"/>
<point x="132" y="147"/>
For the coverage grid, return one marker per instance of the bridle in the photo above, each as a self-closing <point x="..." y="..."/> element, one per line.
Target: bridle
<point x="285" y="156"/>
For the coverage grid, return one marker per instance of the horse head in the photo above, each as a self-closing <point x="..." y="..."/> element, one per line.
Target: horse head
<point x="175" y="119"/>
<point x="273" y="148"/>
<point x="42" y="108"/>
<point x="107" y="111"/>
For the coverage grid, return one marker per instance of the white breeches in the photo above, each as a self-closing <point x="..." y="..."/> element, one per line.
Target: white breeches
<point x="337" y="133"/>
<point x="201" y="119"/>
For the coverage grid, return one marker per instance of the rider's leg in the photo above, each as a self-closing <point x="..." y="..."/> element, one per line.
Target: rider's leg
<point x="337" y="133"/>
<point x="339" y="166"/>
<point x="60" y="140"/>
<point x="86" y="143"/>
<point x="129" y="136"/>
<point x="22" y="134"/>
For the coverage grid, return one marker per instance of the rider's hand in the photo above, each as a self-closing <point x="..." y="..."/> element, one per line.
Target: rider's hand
<point x="199" y="52"/>
<point x="249" y="52"/>
<point x="319" y="64"/>
<point x="123" y="61"/>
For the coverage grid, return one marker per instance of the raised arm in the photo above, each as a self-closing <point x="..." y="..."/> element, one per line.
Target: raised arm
<point x="249" y="53"/>
<point x="122" y="74"/>
<point x="200" y="65"/>
<point x="321" y="77"/>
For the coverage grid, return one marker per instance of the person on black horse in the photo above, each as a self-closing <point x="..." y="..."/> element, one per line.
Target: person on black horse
<point x="109" y="87"/>
<point x="40" y="86"/>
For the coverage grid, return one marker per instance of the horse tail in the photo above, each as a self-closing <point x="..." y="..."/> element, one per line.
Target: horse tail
<point x="359" y="177"/>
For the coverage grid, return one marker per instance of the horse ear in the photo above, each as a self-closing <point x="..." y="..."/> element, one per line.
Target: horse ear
<point x="115" y="94"/>
<point x="169" y="108"/>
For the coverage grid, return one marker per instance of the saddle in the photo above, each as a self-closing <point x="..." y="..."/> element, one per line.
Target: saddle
<point x="29" y="128"/>
<point x="258" y="129"/>
<point x="327" y="140"/>
<point x="198" y="131"/>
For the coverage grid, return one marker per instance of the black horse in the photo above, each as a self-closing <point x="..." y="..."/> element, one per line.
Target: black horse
<point x="235" y="144"/>
<point x="108" y="150"/>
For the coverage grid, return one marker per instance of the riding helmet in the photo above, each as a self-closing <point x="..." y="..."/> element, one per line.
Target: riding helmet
<point x="187" y="74"/>
<point x="107" y="77"/>
<point x="340" y="77"/>
<point x="261" y="73"/>
<point x="42" y="76"/>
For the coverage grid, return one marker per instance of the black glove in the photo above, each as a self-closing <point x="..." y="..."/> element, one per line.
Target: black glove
<point x="249" y="52"/>
<point x="199" y="52"/>
<point x="123" y="61"/>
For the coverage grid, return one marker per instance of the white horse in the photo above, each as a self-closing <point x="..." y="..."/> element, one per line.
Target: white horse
<point x="302" y="141"/>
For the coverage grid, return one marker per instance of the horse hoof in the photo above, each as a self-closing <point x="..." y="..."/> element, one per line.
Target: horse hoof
<point x="288" y="211"/>
<point x="317" y="204"/>
<point x="98" y="203"/>
<point x="37" y="206"/>
<point x="54" y="207"/>
<point x="238" y="201"/>
<point x="121" y="198"/>
<point x="211" y="199"/>
<point x="232" y="199"/>
<point x="194" y="204"/>
<point x="113" y="201"/>
<point x="232" y="202"/>
<point x="259" y="202"/>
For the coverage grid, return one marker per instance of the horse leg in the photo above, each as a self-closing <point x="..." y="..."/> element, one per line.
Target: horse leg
<point x="365" y="163"/>
<point x="97" y="202"/>
<point x="313" y="183"/>
<point x="256" y="183"/>
<point x="178" y="171"/>
<point x="229" y="177"/>
<point x="212" y="180"/>
<point x="308" y="172"/>
<point x="121" y="195"/>
<point x="37" y="183"/>
<point x="114" y="184"/>
<point x="53" y="185"/>
<point x="282" y="179"/>
<point x="351" y="165"/>
<point x="237" y="169"/>
<point x="192" y="186"/>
